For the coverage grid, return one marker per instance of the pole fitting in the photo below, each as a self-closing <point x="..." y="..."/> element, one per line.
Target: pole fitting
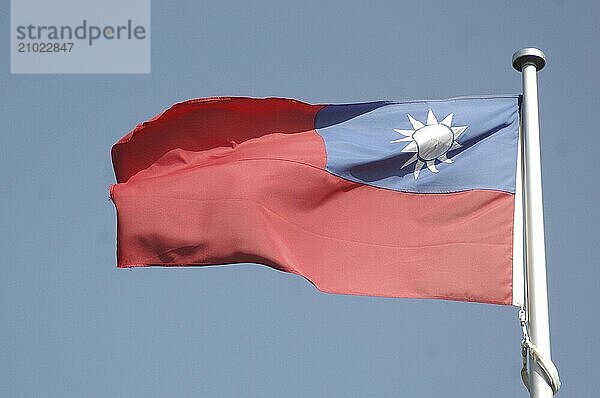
<point x="531" y="56"/>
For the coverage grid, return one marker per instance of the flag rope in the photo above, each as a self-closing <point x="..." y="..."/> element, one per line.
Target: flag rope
<point x="547" y="366"/>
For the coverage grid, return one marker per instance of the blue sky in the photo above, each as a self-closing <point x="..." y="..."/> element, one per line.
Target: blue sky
<point x="73" y="325"/>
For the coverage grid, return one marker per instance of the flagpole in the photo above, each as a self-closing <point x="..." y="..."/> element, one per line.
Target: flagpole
<point x="529" y="61"/>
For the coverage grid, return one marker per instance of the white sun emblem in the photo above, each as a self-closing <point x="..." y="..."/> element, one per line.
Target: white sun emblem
<point x="430" y="142"/>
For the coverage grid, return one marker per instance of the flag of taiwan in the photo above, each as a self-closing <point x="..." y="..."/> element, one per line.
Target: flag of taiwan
<point x="397" y="199"/>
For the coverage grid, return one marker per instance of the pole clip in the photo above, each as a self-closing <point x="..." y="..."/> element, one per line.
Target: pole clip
<point x="547" y="366"/>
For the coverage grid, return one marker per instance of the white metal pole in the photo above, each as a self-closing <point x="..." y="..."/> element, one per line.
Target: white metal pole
<point x="529" y="61"/>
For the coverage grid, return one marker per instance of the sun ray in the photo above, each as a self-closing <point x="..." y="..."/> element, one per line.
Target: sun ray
<point x="418" y="167"/>
<point x="431" y="166"/>
<point x="415" y="123"/>
<point x="431" y="120"/>
<point x="409" y="161"/>
<point x="444" y="158"/>
<point x="458" y="131"/>
<point x="403" y="139"/>
<point x="456" y="145"/>
<point x="412" y="147"/>
<point x="447" y="120"/>
<point x="407" y="133"/>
